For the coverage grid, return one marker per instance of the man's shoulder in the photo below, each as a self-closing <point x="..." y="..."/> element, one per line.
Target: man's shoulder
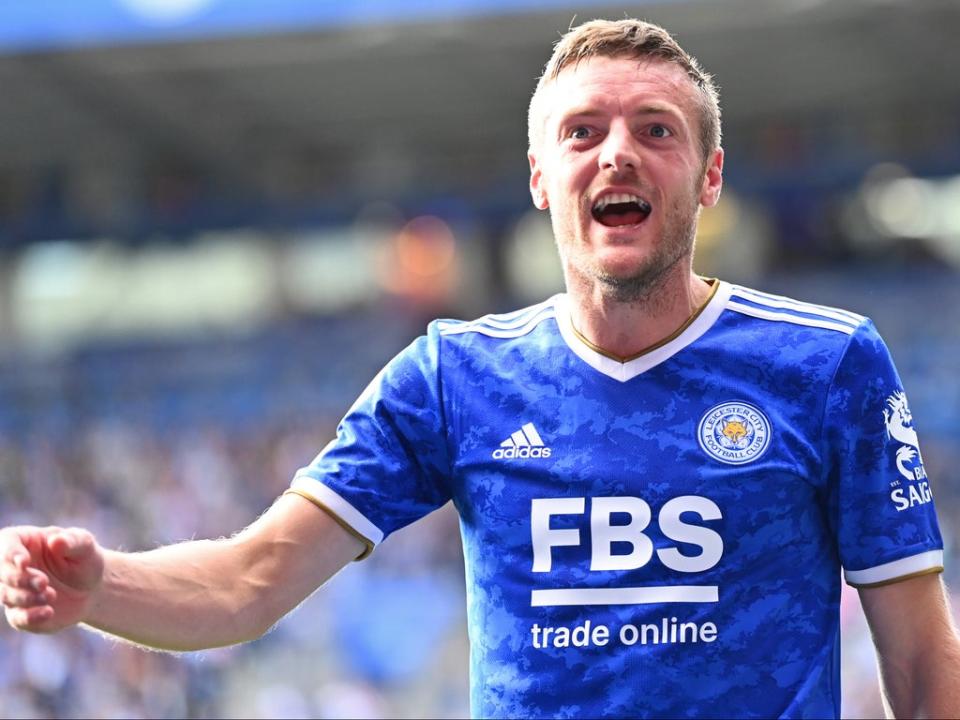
<point x="786" y="336"/>
<point x="787" y="314"/>
<point x="502" y="326"/>
<point x="488" y="339"/>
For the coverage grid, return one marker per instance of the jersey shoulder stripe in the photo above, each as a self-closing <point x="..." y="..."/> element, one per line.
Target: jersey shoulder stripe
<point x="782" y="309"/>
<point x="514" y="316"/>
<point x="781" y="302"/>
<point x="506" y="325"/>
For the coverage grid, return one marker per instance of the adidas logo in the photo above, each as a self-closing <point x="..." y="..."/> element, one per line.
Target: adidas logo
<point x="524" y="443"/>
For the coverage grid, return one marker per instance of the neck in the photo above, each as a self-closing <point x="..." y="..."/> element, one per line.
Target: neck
<point x="624" y="330"/>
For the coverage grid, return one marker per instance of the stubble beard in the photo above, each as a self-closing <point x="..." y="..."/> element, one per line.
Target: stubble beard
<point x="675" y="246"/>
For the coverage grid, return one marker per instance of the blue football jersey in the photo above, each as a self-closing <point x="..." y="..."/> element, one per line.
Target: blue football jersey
<point x="661" y="537"/>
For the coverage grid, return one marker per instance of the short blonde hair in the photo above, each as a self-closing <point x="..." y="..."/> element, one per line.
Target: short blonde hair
<point x="628" y="38"/>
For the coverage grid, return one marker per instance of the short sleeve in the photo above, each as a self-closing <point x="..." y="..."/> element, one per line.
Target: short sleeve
<point x="881" y="506"/>
<point x="388" y="465"/>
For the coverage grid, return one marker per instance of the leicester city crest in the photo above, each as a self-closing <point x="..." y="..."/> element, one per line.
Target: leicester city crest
<point x="734" y="433"/>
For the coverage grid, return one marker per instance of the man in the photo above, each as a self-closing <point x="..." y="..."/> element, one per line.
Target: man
<point x="659" y="476"/>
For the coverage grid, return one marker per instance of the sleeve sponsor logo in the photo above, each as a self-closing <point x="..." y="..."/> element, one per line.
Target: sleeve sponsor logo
<point x="899" y="423"/>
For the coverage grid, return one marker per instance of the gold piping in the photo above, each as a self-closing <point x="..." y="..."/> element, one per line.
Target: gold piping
<point x="891" y="581"/>
<point x="339" y="520"/>
<point x="660" y="343"/>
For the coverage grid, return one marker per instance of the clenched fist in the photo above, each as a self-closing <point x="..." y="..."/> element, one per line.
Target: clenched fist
<point x="48" y="576"/>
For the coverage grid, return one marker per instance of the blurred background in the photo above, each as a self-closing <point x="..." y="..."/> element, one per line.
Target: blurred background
<point x="220" y="218"/>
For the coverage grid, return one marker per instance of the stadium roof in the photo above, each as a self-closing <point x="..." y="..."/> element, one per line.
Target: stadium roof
<point x="435" y="104"/>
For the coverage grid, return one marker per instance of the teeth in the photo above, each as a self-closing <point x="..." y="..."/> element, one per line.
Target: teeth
<point x="617" y="198"/>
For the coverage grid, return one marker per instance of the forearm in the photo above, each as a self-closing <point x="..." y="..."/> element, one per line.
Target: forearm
<point x="211" y="593"/>
<point x="929" y="687"/>
<point x="918" y="649"/>
<point x="189" y="596"/>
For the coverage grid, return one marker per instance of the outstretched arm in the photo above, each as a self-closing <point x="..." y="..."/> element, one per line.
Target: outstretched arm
<point x="918" y="648"/>
<point x="190" y="596"/>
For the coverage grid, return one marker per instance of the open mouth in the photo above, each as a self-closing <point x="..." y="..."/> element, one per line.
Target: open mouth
<point x="621" y="209"/>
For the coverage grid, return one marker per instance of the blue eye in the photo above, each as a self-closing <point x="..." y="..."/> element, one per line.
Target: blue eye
<point x="581" y="132"/>
<point x="660" y="131"/>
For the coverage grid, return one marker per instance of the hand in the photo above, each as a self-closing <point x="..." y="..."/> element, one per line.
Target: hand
<point x="48" y="576"/>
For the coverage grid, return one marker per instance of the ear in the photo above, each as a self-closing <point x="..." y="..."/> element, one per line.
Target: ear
<point x="712" y="180"/>
<point x="537" y="190"/>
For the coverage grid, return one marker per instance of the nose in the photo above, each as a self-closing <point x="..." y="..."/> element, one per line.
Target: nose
<point x="619" y="150"/>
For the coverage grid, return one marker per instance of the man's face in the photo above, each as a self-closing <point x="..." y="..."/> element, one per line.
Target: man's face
<point x="620" y="167"/>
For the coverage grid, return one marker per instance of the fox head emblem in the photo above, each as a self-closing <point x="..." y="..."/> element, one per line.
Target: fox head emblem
<point x="734" y="430"/>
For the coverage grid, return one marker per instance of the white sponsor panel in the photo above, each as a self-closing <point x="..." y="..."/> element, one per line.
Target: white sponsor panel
<point x="626" y="595"/>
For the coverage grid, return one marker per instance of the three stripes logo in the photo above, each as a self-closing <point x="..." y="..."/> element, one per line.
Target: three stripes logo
<point x="524" y="443"/>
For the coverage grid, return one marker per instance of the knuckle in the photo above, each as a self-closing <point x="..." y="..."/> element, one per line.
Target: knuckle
<point x="15" y="598"/>
<point x="20" y="619"/>
<point x="13" y="579"/>
<point x="15" y="619"/>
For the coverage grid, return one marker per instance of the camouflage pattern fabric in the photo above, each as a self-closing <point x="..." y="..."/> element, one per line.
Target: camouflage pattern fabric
<point x="662" y="537"/>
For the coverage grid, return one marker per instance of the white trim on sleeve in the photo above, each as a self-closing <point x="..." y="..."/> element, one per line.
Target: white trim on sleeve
<point x="341" y="508"/>
<point x="930" y="560"/>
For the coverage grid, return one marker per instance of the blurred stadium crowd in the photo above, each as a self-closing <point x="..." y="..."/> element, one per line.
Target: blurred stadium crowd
<point x="152" y="417"/>
<point x="154" y="444"/>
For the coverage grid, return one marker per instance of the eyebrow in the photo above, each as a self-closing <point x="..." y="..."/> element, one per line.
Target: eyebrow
<point x="589" y="111"/>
